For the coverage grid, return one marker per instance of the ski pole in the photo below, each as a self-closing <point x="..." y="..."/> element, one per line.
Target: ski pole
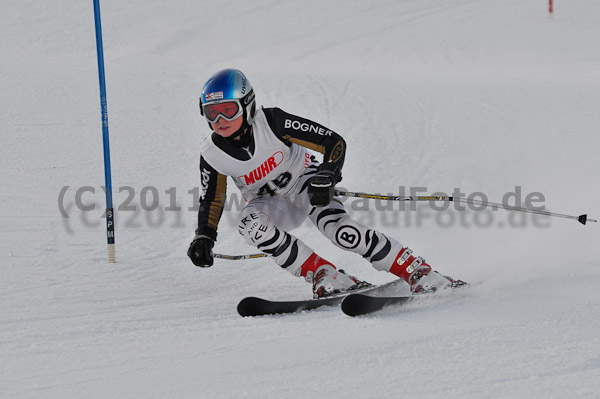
<point x="239" y="257"/>
<point x="583" y="219"/>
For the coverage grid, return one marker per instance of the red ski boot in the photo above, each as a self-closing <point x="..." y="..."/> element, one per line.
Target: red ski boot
<point x="419" y="274"/>
<point x="326" y="279"/>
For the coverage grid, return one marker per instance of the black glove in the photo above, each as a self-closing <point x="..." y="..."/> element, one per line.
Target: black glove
<point x="200" y="251"/>
<point x="321" y="187"/>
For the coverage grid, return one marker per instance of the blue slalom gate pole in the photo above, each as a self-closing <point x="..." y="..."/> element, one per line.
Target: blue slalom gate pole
<point x="110" y="221"/>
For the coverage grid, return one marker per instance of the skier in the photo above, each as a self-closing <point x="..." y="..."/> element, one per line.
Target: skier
<point x="264" y="151"/>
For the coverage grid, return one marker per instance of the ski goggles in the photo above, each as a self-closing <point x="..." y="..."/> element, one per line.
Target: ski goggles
<point x="228" y="110"/>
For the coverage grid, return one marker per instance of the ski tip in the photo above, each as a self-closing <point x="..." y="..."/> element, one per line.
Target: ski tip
<point x="247" y="306"/>
<point x="360" y="304"/>
<point x="356" y="305"/>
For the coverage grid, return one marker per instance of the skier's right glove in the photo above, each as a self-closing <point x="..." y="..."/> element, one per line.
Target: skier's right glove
<point x="200" y="251"/>
<point x="321" y="187"/>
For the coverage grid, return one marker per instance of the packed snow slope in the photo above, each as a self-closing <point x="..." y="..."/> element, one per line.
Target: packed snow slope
<point x="485" y="96"/>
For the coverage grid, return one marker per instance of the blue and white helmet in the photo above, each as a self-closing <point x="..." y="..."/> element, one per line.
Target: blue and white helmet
<point x="228" y="86"/>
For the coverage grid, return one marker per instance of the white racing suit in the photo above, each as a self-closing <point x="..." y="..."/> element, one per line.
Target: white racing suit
<point x="264" y="222"/>
<point x="272" y="173"/>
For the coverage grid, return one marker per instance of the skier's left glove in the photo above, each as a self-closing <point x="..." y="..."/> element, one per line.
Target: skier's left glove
<point x="200" y="251"/>
<point x="321" y="187"/>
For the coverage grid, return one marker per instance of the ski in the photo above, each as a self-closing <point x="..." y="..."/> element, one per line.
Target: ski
<point x="360" y="304"/>
<point x="253" y="306"/>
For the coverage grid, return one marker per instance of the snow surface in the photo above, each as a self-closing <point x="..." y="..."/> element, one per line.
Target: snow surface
<point x="483" y="95"/>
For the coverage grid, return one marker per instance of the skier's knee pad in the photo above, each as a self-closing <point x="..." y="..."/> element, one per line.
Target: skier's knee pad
<point x="254" y="226"/>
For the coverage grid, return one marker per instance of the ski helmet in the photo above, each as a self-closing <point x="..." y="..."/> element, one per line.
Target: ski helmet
<point x="228" y="86"/>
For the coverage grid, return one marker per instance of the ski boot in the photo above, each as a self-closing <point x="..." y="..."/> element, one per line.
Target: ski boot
<point x="419" y="275"/>
<point x="326" y="279"/>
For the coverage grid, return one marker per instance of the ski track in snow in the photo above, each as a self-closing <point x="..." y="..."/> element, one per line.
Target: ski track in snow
<point x="480" y="95"/>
